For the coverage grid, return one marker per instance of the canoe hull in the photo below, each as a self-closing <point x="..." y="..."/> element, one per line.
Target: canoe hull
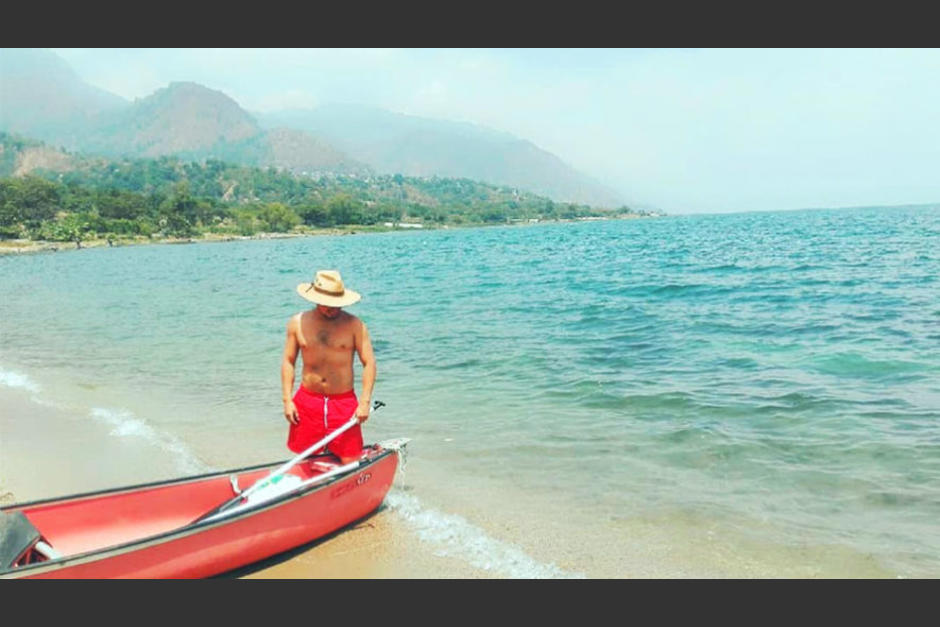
<point x="111" y="519"/>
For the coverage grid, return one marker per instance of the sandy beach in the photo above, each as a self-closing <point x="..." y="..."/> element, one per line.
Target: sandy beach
<point x="376" y="547"/>
<point x="46" y="451"/>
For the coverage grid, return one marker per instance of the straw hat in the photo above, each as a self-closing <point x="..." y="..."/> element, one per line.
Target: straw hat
<point x="328" y="289"/>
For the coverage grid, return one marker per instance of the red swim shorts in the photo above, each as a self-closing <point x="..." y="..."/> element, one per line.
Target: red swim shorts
<point x="320" y="415"/>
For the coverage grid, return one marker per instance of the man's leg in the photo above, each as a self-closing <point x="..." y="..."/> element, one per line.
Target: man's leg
<point x="348" y="445"/>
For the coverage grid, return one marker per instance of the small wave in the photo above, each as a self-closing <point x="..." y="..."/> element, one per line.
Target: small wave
<point x="125" y="424"/>
<point x="18" y="380"/>
<point x="795" y="400"/>
<point x="661" y="401"/>
<point x="456" y="537"/>
<point x="855" y="364"/>
<point x="741" y="363"/>
<point x="725" y="268"/>
<point x="466" y="363"/>
<point x="678" y="288"/>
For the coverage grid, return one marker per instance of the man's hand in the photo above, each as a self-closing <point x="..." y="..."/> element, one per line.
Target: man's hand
<point x="290" y="412"/>
<point x="362" y="412"/>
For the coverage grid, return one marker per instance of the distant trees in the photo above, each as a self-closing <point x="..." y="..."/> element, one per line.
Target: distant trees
<point x="278" y="218"/>
<point x="29" y="200"/>
<point x="246" y="222"/>
<point x="344" y="209"/>
<point x="383" y="211"/>
<point x="67" y="228"/>
<point x="314" y="214"/>
<point x="169" y="197"/>
<point x="182" y="215"/>
<point x="120" y="204"/>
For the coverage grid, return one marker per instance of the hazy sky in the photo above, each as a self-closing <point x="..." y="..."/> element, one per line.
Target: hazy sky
<point x="704" y="130"/>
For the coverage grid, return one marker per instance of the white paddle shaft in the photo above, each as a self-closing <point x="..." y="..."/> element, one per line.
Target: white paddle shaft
<point x="316" y="479"/>
<point x="242" y="497"/>
<point x="300" y="456"/>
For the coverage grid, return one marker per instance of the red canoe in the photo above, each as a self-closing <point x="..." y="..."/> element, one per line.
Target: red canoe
<point x="160" y="530"/>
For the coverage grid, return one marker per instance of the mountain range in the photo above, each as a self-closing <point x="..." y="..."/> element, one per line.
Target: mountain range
<point x="44" y="98"/>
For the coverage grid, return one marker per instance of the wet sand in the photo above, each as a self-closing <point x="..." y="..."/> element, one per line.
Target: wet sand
<point x="376" y="547"/>
<point x="45" y="452"/>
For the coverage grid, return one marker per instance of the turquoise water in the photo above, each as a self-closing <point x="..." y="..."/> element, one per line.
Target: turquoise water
<point x="772" y="378"/>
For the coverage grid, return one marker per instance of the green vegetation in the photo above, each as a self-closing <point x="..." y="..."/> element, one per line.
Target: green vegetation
<point x="167" y="197"/>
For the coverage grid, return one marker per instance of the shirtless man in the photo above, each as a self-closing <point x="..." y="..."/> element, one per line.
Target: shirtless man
<point x="327" y="337"/>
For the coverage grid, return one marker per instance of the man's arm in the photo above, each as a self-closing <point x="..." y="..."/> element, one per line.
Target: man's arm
<point x="287" y="371"/>
<point x="367" y="358"/>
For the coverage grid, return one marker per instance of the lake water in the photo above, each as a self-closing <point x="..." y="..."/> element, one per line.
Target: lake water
<point x="730" y="395"/>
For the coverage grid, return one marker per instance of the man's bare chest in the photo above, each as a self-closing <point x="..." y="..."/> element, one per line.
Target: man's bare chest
<point x="317" y="338"/>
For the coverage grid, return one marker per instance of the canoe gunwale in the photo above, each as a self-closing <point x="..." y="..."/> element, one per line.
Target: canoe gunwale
<point x="179" y="532"/>
<point x="151" y="484"/>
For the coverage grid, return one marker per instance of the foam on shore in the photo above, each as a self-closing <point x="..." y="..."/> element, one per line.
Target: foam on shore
<point x="19" y="380"/>
<point x="124" y="424"/>
<point x="453" y="536"/>
<point x="56" y="446"/>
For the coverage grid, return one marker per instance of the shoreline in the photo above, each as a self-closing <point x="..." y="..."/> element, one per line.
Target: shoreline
<point x="26" y="246"/>
<point x="86" y="457"/>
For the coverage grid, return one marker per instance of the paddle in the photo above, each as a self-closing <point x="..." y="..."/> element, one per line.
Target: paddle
<point x="280" y="470"/>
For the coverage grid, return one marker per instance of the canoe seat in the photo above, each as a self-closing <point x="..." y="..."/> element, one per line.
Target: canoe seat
<point x="17" y="537"/>
<point x="20" y="541"/>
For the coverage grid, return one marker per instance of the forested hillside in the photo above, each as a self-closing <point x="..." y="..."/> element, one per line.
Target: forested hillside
<point x="94" y="197"/>
<point x="44" y="98"/>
